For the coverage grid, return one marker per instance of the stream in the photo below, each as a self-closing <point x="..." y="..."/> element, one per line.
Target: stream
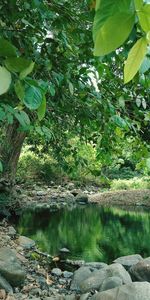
<point x="91" y="233"/>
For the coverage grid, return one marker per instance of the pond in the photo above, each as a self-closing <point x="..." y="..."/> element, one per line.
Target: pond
<point x="91" y="233"/>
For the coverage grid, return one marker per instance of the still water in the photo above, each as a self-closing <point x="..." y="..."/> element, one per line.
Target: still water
<point x="91" y="233"/>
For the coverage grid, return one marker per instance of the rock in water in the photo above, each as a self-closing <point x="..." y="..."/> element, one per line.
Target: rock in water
<point x="10" y="267"/>
<point x="132" y="291"/>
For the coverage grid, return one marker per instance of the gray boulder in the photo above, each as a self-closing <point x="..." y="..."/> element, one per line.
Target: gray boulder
<point x="96" y="265"/>
<point x="129" y="260"/>
<point x="110" y="283"/>
<point x="4" y="284"/>
<point x="141" y="271"/>
<point x="10" y="267"/>
<point x="95" y="280"/>
<point x="25" y="242"/>
<point x="80" y="275"/>
<point x="119" y="271"/>
<point x="132" y="291"/>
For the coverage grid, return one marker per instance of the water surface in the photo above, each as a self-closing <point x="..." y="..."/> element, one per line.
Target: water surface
<point x="91" y="233"/>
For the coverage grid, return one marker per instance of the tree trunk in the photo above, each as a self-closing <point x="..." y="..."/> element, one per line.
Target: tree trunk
<point x="9" y="156"/>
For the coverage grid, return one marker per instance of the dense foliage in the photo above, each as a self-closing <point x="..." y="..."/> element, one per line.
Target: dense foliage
<point x="57" y="93"/>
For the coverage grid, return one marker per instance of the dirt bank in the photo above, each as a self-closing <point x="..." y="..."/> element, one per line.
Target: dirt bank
<point x="122" y="197"/>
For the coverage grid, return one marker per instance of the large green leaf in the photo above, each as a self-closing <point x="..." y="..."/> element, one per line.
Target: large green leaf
<point x="106" y="9"/>
<point x="33" y="97"/>
<point x="7" y="49"/>
<point x="1" y="167"/>
<point x="42" y="109"/>
<point x="144" y="17"/>
<point x="20" y="90"/>
<point x="113" y="33"/>
<point x="27" y="71"/>
<point x="23" y="118"/>
<point x="135" y="59"/>
<point x="5" y="80"/>
<point x="17" y="64"/>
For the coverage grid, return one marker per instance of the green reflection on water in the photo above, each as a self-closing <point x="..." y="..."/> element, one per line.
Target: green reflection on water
<point x="91" y="233"/>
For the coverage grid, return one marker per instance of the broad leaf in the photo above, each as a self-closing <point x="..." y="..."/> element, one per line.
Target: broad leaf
<point x="5" y="80"/>
<point x="52" y="90"/>
<point x="42" y="109"/>
<point x="23" y="118"/>
<point x="20" y="90"/>
<point x="1" y="167"/>
<point x="27" y="71"/>
<point x="33" y="97"/>
<point x="135" y="59"/>
<point x="106" y="9"/>
<point x="144" y="17"/>
<point x="113" y="33"/>
<point x="17" y="64"/>
<point x="7" y="49"/>
<point x="71" y="89"/>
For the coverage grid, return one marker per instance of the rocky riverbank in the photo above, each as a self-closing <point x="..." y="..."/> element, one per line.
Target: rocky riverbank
<point x="57" y="197"/>
<point x="26" y="273"/>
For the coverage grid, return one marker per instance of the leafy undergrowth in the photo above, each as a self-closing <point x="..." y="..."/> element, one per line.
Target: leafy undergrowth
<point x="34" y="167"/>
<point x="133" y="183"/>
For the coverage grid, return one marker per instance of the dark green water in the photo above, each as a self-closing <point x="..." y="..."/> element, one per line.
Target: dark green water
<point x="91" y="233"/>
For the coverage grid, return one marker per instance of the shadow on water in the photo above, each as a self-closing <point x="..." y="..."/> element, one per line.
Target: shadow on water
<point x="91" y="233"/>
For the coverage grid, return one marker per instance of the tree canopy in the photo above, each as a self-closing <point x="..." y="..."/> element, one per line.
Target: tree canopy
<point x="53" y="87"/>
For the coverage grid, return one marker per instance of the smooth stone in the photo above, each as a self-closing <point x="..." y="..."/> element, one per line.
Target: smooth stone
<point x="96" y="265"/>
<point x="81" y="274"/>
<point x="10" y="267"/>
<point x="97" y="277"/>
<point x="132" y="291"/>
<point x="85" y="296"/>
<point x="67" y="274"/>
<point x="110" y="283"/>
<point x="141" y="271"/>
<point x="4" y="284"/>
<point x="25" y="242"/>
<point x="129" y="260"/>
<point x="70" y="297"/>
<point x="93" y="282"/>
<point x="56" y="271"/>
<point x="11" y="231"/>
<point x="118" y="270"/>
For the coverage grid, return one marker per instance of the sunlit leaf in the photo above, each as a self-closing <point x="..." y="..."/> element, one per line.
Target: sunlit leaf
<point x="5" y="80"/>
<point x="42" y="109"/>
<point x="135" y="59"/>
